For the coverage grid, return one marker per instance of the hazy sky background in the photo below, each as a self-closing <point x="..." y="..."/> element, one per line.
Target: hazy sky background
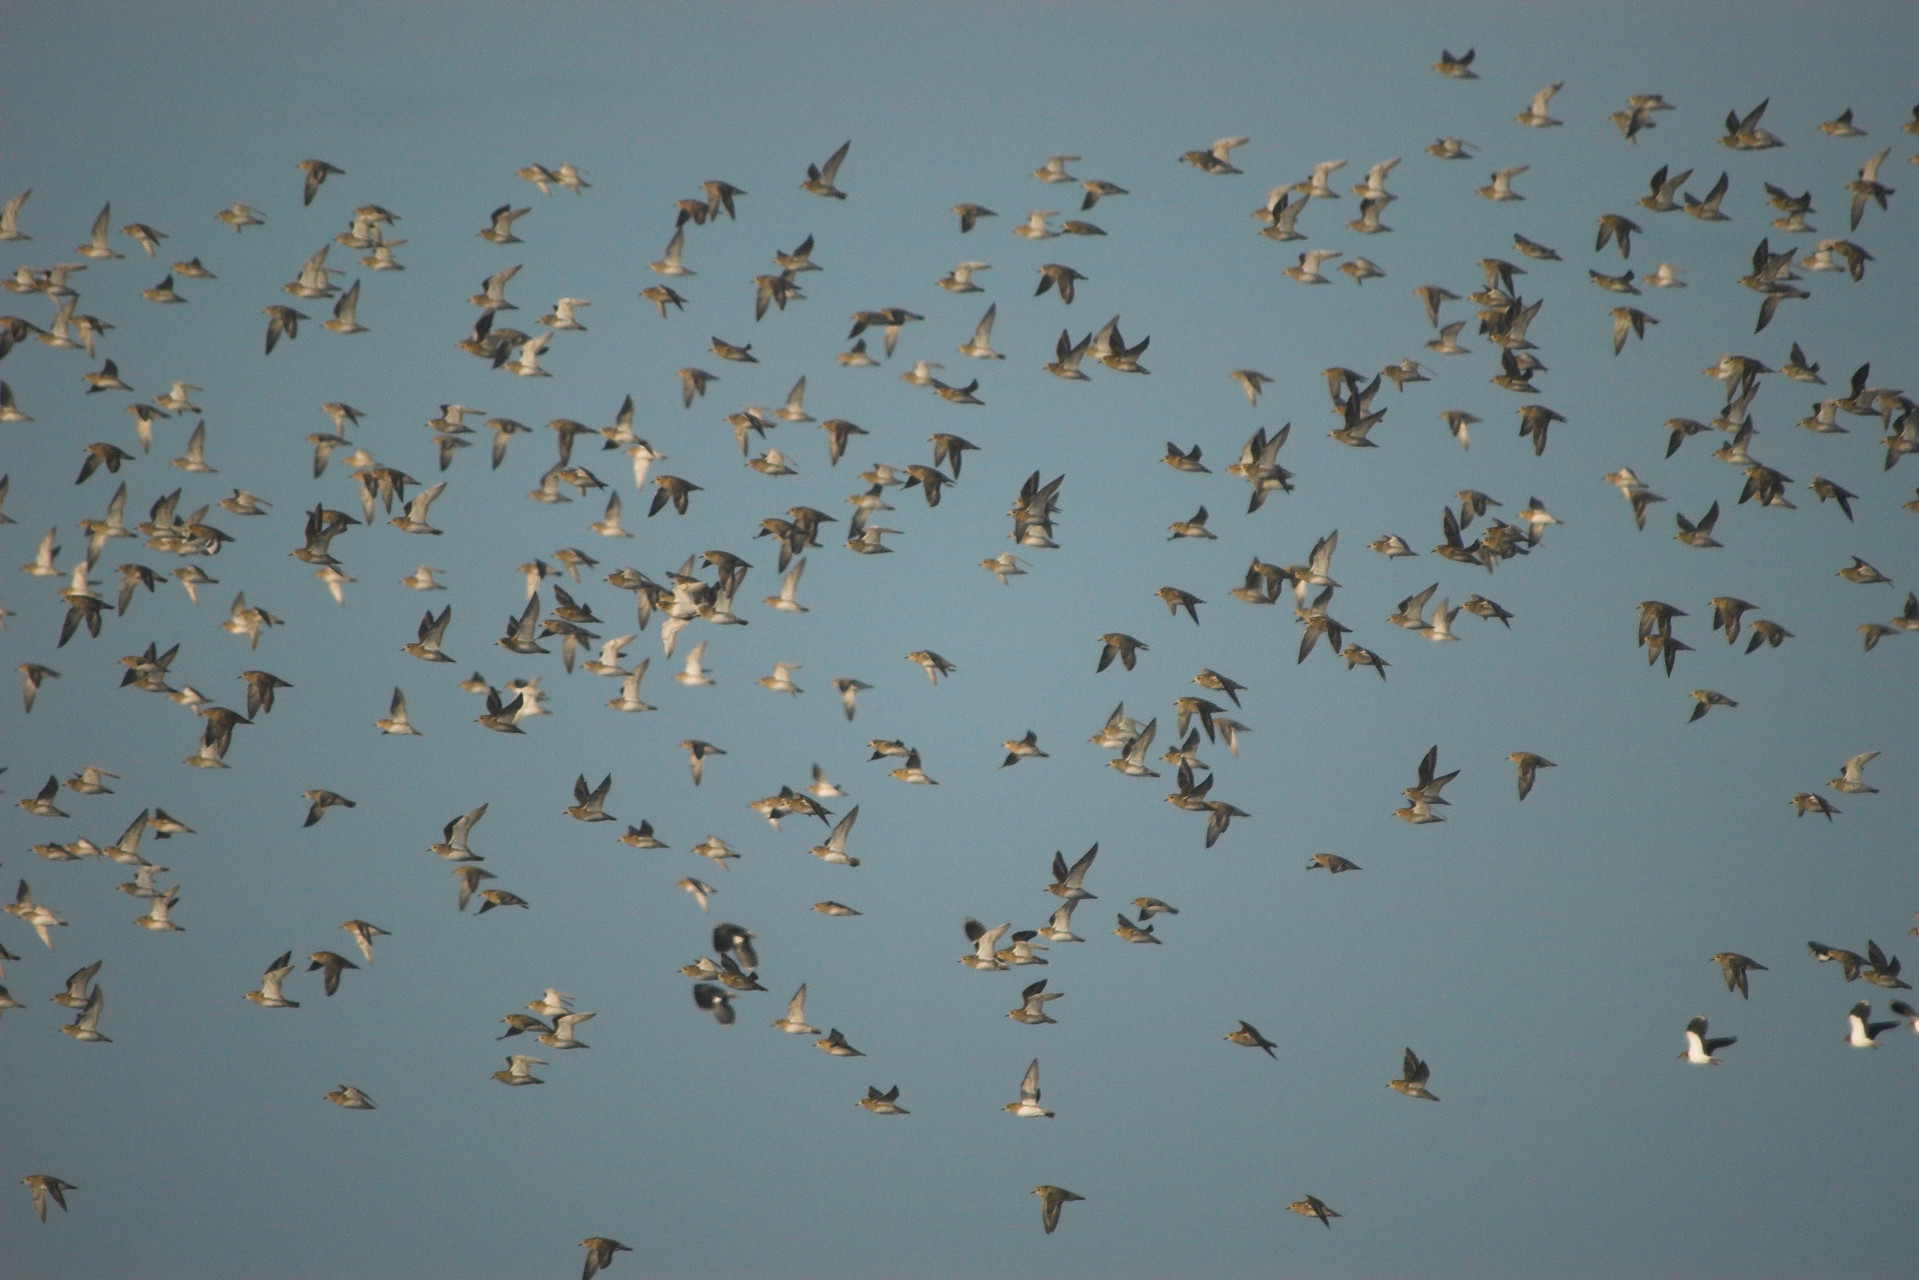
<point x="1544" y="957"/>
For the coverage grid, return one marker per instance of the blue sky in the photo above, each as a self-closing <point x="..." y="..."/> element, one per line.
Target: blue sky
<point x="1544" y="957"/>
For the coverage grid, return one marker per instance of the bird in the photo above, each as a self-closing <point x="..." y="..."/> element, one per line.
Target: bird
<point x="1734" y="968"/>
<point x="1051" y="1200"/>
<point x="1034" y="999"/>
<point x="1851" y="779"/>
<point x="1028" y="1106"/>
<point x="883" y="1104"/>
<point x="1699" y="1049"/>
<point x="1529" y="766"/>
<point x="44" y="1186"/>
<point x="599" y="1254"/>
<point x="1863" y="1033"/>
<point x="820" y="179"/>
<point x="1413" y="1075"/>
<point x="1248" y="1035"/>
<point x="1314" y="1207"/>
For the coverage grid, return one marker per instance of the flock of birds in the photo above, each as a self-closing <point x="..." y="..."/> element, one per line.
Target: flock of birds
<point x="704" y="591"/>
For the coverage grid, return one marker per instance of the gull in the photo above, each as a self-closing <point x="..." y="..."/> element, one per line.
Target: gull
<point x="44" y="1186"/>
<point x="970" y="214"/>
<point x="1051" y="1200"/>
<point x="883" y="1104"/>
<point x="351" y="1098"/>
<point x="1413" y="1076"/>
<point x="1032" y="1010"/>
<point x="696" y="754"/>
<point x="820" y="179"/>
<point x="1248" y="1035"/>
<point x="1734" y="968"/>
<point x="269" y="996"/>
<point x="1501" y="187"/>
<point x="1314" y="1207"/>
<point x="1216" y="159"/>
<point x="1864" y="1033"/>
<point x="794" y="1023"/>
<point x="1535" y="116"/>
